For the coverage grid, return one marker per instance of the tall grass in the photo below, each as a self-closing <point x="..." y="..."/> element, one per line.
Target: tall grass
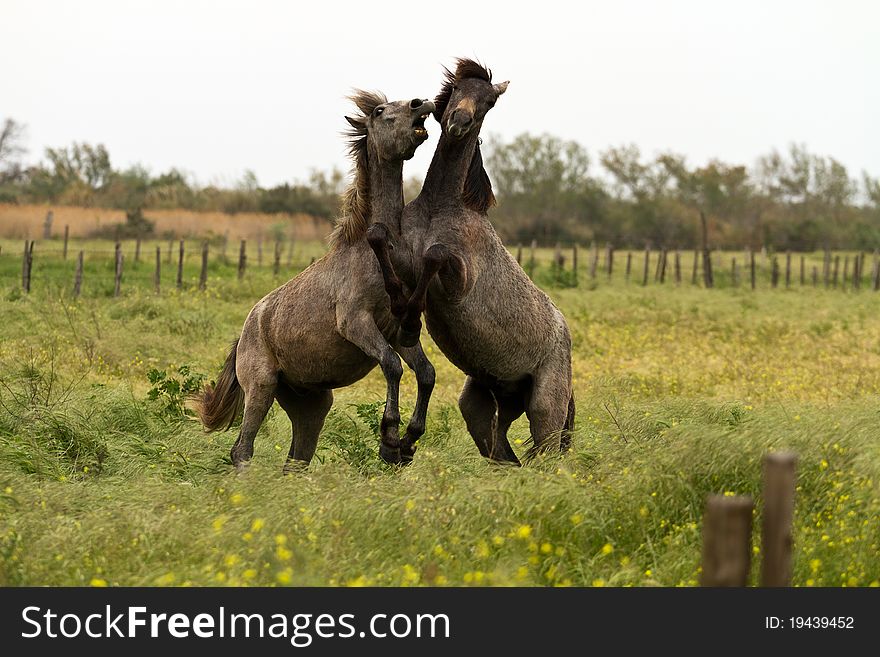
<point x="679" y="391"/>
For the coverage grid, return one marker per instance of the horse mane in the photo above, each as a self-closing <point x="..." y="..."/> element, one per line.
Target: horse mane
<point x="464" y="69"/>
<point x="478" y="195"/>
<point x="355" y="208"/>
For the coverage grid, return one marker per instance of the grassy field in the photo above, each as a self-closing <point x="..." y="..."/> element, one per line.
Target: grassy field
<point x="680" y="390"/>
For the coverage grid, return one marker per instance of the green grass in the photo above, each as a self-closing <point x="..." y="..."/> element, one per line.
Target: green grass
<point x="679" y="390"/>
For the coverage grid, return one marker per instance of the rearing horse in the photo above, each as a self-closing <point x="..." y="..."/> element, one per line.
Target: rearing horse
<point x="332" y="324"/>
<point x="482" y="310"/>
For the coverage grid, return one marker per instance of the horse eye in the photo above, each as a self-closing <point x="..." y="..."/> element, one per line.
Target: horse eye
<point x="378" y="111"/>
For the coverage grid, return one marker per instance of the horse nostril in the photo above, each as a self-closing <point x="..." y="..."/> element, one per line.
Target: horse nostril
<point x="415" y="103"/>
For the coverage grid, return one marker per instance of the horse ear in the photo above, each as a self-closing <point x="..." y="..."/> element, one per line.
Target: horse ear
<point x="501" y="87"/>
<point x="356" y="123"/>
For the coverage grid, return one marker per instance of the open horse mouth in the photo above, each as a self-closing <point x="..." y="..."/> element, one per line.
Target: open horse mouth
<point x="419" y="125"/>
<point x="422" y="110"/>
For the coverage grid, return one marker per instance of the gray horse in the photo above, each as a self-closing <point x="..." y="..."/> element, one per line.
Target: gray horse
<point x="332" y="324"/>
<point x="482" y="310"/>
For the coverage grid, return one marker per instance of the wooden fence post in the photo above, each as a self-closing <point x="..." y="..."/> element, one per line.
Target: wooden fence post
<point x="609" y="259"/>
<point x="78" y="276"/>
<point x="694" y="272"/>
<point x="180" y="267"/>
<point x="774" y="271"/>
<point x="836" y="268"/>
<point x="876" y="272"/>
<point x="677" y="267"/>
<point x="779" y="487"/>
<point x="647" y="263"/>
<point x="787" y="269"/>
<point x="157" y="277"/>
<point x="203" y="275"/>
<point x="663" y="266"/>
<point x="727" y="537"/>
<point x="857" y="271"/>
<point x="594" y="260"/>
<point x="803" y="271"/>
<point x="752" y="267"/>
<point x="25" y="268"/>
<point x="47" y="225"/>
<point x="117" y="278"/>
<point x="659" y="263"/>
<point x="815" y="276"/>
<point x="826" y="267"/>
<point x="66" y="237"/>
<point x="242" y="259"/>
<point x="629" y="258"/>
<point x="845" y="271"/>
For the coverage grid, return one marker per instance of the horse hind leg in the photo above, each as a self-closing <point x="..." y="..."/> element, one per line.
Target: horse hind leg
<point x="479" y="410"/>
<point x="258" y="399"/>
<point x="548" y="410"/>
<point x="510" y="407"/>
<point x="307" y="411"/>
<point x="258" y="378"/>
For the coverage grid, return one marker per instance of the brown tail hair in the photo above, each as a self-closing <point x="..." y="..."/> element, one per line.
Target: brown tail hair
<point x="219" y="404"/>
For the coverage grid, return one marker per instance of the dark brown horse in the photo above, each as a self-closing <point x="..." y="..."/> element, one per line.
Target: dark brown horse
<point x="332" y="324"/>
<point x="482" y="310"/>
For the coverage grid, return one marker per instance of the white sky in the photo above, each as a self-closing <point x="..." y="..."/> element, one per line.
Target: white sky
<point x="217" y="87"/>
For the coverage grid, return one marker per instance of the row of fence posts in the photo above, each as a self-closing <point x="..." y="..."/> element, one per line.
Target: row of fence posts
<point x="119" y="261"/>
<point x="831" y="274"/>
<point x="727" y="529"/>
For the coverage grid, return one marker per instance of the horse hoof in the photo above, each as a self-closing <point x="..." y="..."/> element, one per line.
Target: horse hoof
<point x="390" y="455"/>
<point x="241" y="466"/>
<point x="294" y="467"/>
<point x="406" y="453"/>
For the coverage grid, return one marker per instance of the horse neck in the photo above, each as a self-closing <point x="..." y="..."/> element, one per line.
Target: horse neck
<point x="386" y="191"/>
<point x="449" y="168"/>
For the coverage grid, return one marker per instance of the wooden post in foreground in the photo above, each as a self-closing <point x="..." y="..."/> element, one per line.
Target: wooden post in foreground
<point x="78" y="277"/>
<point x="727" y="538"/>
<point x="203" y="275"/>
<point x="647" y="263"/>
<point x="629" y="259"/>
<point x="779" y="486"/>
<point x="677" y="267"/>
<point x="66" y="237"/>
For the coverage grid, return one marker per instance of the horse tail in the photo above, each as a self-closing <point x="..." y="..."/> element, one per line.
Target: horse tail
<point x="219" y="404"/>
<point x="565" y="439"/>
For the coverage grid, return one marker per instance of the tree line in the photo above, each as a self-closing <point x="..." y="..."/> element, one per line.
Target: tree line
<point x="548" y="189"/>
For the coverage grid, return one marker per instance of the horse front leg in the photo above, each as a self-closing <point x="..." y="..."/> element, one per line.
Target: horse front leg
<point x="437" y="259"/>
<point x="359" y="328"/>
<point x="418" y="362"/>
<point x="379" y="239"/>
